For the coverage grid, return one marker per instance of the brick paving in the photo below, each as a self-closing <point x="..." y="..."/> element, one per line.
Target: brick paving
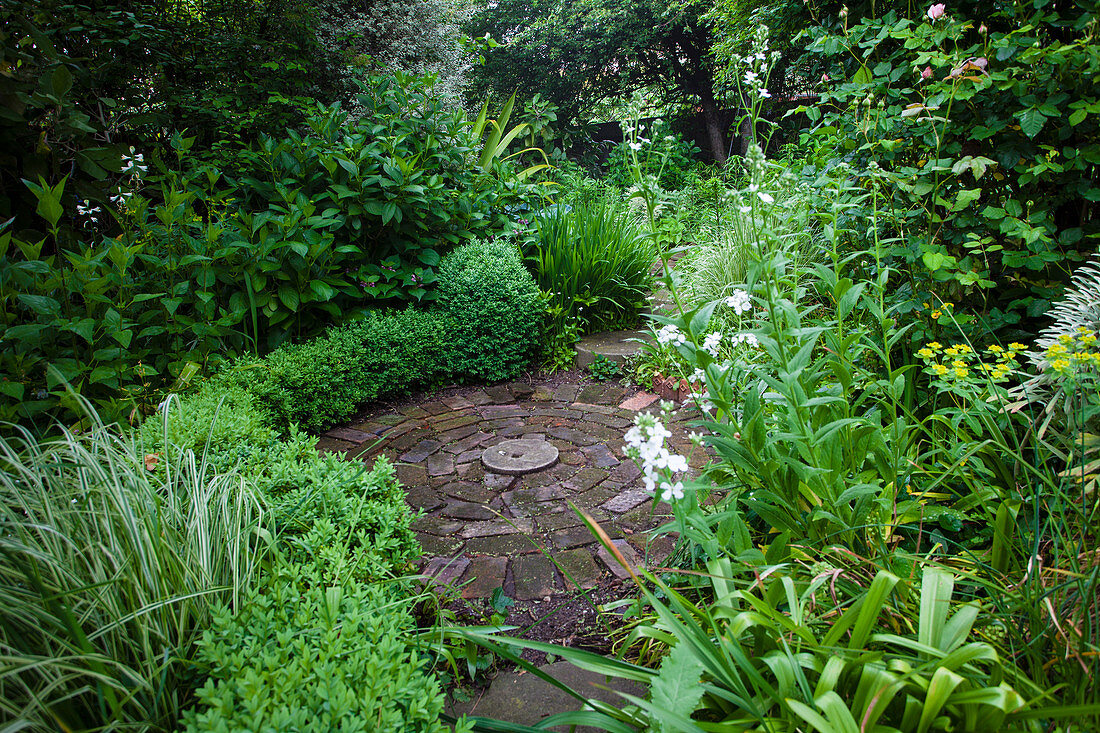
<point x="482" y="530"/>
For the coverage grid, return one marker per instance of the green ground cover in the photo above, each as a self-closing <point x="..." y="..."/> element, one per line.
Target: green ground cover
<point x="890" y="321"/>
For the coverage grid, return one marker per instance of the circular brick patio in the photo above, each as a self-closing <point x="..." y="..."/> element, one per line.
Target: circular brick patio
<point x="482" y="530"/>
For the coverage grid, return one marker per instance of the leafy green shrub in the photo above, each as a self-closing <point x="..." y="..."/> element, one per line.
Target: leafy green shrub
<point x="110" y="573"/>
<point x="592" y="263"/>
<point x="309" y="657"/>
<point x="495" y="307"/>
<point x="979" y="128"/>
<point x="319" y="382"/>
<point x="667" y="156"/>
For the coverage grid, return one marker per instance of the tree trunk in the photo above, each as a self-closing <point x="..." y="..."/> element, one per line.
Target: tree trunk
<point x="716" y="134"/>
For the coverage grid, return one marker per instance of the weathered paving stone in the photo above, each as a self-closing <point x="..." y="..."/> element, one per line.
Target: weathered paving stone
<point x="639" y="401"/>
<point x="576" y="437"/>
<point x="627" y="500"/>
<point x="439" y="526"/>
<point x="563" y="539"/>
<point x="445" y="570"/>
<point x="479" y="398"/>
<point x="350" y="434"/>
<point x="435" y="545"/>
<point x="579" y="568"/>
<point x="526" y="496"/>
<point x="557" y="412"/>
<point x="499" y="394"/>
<point x="589" y="409"/>
<point x="628" y="553"/>
<point x="498" y="481"/>
<point x="518" y="457"/>
<point x="424" y="498"/>
<point x="534" y="576"/>
<point x="566" y="393"/>
<point x="421" y="450"/>
<point x="457" y="402"/>
<point x="441" y="464"/>
<point x="450" y="421"/>
<point x="469" y="491"/>
<point x="560" y="520"/>
<point x="585" y="479"/>
<point x="468" y="441"/>
<point x="468" y="510"/>
<point x="435" y="408"/>
<point x="332" y="445"/>
<point x="413" y="411"/>
<point x="467" y="457"/>
<point x="625" y="472"/>
<point x="571" y="458"/>
<point x="497" y="527"/>
<point x="457" y="434"/>
<point x="600" y="394"/>
<point x="611" y="421"/>
<point x="497" y="412"/>
<point x="390" y="418"/>
<point x="600" y="456"/>
<point x="521" y="390"/>
<point x="542" y="394"/>
<point x="483" y="576"/>
<point x="506" y="545"/>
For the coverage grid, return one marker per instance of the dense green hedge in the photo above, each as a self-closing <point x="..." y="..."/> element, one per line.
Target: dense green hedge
<point x="314" y="658"/>
<point x="484" y="325"/>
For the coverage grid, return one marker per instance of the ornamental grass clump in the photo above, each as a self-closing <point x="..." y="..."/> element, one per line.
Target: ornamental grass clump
<point x="112" y="565"/>
<point x="592" y="262"/>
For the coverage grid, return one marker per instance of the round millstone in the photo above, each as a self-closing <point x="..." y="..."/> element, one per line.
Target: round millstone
<point x="519" y="456"/>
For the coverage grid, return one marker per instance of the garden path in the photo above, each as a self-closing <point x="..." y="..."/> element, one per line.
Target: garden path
<point x="482" y="530"/>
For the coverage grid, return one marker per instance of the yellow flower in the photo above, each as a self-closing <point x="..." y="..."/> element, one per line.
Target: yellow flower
<point x="939" y="369"/>
<point x="995" y="349"/>
<point x="1088" y="338"/>
<point x="951" y="351"/>
<point x="1060" y="365"/>
<point x="936" y="314"/>
<point x="1056" y="349"/>
<point x="964" y="348"/>
<point x="948" y="306"/>
<point x="1016" y="346"/>
<point x="925" y="353"/>
<point x="1082" y="329"/>
<point x="961" y="372"/>
<point x="1066" y="338"/>
<point x="959" y="364"/>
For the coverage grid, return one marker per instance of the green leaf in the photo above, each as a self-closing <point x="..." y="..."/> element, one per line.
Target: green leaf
<point x="1078" y="117"/>
<point x="61" y="81"/>
<point x="289" y="296"/>
<point x="1032" y="121"/>
<point x="676" y="688"/>
<point x="43" y="305"/>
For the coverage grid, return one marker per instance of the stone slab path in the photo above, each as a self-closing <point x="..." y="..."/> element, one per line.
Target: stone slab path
<point x="482" y="530"/>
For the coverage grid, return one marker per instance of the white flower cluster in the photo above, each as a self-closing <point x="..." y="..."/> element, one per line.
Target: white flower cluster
<point x="712" y="342"/>
<point x="134" y="163"/>
<point x="740" y="302"/>
<point x="86" y="209"/>
<point x="670" y="335"/>
<point x="645" y="442"/>
<point x="757" y="64"/>
<point x="746" y="338"/>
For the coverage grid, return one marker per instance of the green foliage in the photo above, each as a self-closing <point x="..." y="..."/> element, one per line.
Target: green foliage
<point x="983" y="132"/>
<point x="302" y="655"/>
<point x="313" y="229"/>
<point x="321" y="381"/>
<point x="495" y="307"/>
<point x="592" y="263"/>
<point x="603" y="368"/>
<point x="111" y="572"/>
<point x="666" y="158"/>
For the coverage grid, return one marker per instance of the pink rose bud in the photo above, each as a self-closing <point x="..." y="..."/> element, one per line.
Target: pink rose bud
<point x="927" y="73"/>
<point x="936" y="11"/>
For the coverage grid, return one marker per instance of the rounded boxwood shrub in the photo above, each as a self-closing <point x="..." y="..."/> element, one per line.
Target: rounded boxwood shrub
<point x="495" y="307"/>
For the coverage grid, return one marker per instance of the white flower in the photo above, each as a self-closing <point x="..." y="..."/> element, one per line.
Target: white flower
<point x="671" y="492"/>
<point x="767" y="198"/>
<point x="698" y="375"/>
<point x="711" y="343"/>
<point x="747" y="338"/>
<point x="670" y="335"/>
<point x="765" y="94"/>
<point x="635" y="146"/>
<point x="751" y="78"/>
<point x="740" y="302"/>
